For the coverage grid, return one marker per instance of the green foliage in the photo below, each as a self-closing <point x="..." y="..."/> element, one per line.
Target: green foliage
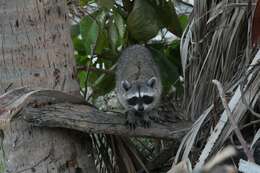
<point x="168" y="59"/>
<point x="80" y="47"/>
<point x="99" y="37"/>
<point x="82" y="76"/>
<point x="149" y="16"/>
<point x="144" y="17"/>
<point x="183" y="21"/>
<point x="108" y="4"/>
<point x="114" y="36"/>
<point x="104" y="84"/>
<point x="89" y="32"/>
<point x="74" y="29"/>
<point x="85" y="2"/>
<point x="167" y="15"/>
<point x="102" y="42"/>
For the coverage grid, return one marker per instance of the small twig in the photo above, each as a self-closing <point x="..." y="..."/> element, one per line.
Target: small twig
<point x="233" y="122"/>
<point x="94" y="69"/>
<point x="8" y="87"/>
<point x="250" y="123"/>
<point x="86" y="80"/>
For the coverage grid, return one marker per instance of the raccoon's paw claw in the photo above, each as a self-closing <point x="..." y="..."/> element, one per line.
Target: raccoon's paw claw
<point x="131" y="125"/>
<point x="155" y="118"/>
<point x="146" y="123"/>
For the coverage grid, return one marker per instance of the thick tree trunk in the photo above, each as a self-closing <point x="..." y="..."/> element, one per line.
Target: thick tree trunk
<point x="35" y="47"/>
<point x="36" y="51"/>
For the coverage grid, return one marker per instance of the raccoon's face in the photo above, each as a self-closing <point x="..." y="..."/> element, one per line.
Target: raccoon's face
<point x="140" y="95"/>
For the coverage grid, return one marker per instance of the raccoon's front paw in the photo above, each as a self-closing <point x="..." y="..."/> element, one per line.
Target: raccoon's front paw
<point x="131" y="124"/>
<point x="131" y="121"/>
<point x="154" y="115"/>
<point x="146" y="123"/>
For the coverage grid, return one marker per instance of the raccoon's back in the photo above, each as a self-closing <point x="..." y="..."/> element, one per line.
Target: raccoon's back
<point x="136" y="64"/>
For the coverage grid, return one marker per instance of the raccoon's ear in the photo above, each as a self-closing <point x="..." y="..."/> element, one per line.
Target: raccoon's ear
<point x="126" y="85"/>
<point x="151" y="82"/>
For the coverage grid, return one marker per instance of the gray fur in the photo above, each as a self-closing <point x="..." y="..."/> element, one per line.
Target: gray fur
<point x="137" y="69"/>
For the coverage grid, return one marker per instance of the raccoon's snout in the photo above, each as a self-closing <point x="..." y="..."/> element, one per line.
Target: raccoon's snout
<point x="140" y="108"/>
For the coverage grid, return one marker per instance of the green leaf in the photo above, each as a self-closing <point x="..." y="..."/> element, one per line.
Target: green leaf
<point x="105" y="85"/>
<point x="169" y="72"/>
<point x="120" y="24"/>
<point x="79" y="46"/>
<point x="81" y="60"/>
<point x="100" y="82"/>
<point x="101" y="17"/>
<point x="116" y="32"/>
<point x="82" y="76"/>
<point x="142" y="22"/>
<point x="102" y="42"/>
<point x="108" y="4"/>
<point x="173" y="54"/>
<point x="183" y="21"/>
<point x="113" y="36"/>
<point x="89" y="32"/>
<point x="84" y="2"/>
<point x="167" y="14"/>
<point x="108" y="57"/>
<point x="74" y="30"/>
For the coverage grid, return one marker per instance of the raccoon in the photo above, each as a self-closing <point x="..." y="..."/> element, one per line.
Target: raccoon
<point x="138" y="85"/>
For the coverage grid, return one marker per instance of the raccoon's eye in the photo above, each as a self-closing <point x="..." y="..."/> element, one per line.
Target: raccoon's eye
<point x="148" y="99"/>
<point x="132" y="101"/>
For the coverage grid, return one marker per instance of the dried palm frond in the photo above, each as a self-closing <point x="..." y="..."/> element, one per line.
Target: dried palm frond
<point x="116" y="154"/>
<point x="213" y="47"/>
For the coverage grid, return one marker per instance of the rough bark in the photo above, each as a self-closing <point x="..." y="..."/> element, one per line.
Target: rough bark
<point x="50" y="108"/>
<point x="36" y="50"/>
<point x="36" y="46"/>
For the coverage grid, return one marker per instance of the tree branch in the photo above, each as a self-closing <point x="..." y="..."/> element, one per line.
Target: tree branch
<point x="56" y="109"/>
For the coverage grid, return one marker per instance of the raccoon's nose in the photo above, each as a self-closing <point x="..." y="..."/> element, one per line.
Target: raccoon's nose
<point x="140" y="108"/>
